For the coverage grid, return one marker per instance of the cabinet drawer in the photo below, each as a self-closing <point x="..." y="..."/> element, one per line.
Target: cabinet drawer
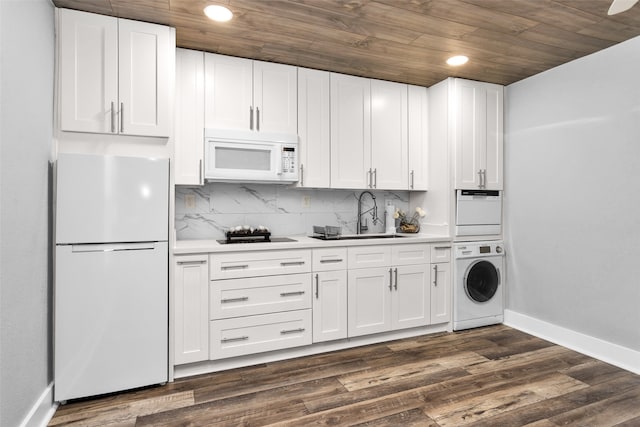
<point x="415" y="253"/>
<point x="368" y="256"/>
<point x="259" y="295"/>
<point x="256" y="334"/>
<point x="329" y="259"/>
<point x="259" y="263"/>
<point x="441" y="253"/>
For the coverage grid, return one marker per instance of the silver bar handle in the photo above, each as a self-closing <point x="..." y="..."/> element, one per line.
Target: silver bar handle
<point x="396" y="274"/>
<point x="239" y="299"/>
<point x="250" y="117"/>
<point x="291" y="263"/>
<point x="327" y="261"/>
<point x="484" y="178"/>
<point x="291" y="331"/>
<point x="200" y="180"/>
<point x="442" y="247"/>
<point x="369" y="180"/>
<point x="411" y="182"/>
<point x="113" y="118"/>
<point x="317" y="286"/>
<point x="479" y="178"/>
<point x="257" y="118"/>
<point x="435" y="275"/>
<point x="201" y="261"/>
<point x="301" y="175"/>
<point x="391" y="279"/>
<point x="121" y="117"/>
<point x="234" y="267"/>
<point x="242" y="338"/>
<point x="375" y="178"/>
<point x="291" y="294"/>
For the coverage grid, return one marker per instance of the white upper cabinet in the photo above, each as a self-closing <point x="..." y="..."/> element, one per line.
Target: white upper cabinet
<point x="368" y="133"/>
<point x="478" y="130"/>
<point x="418" y="138"/>
<point x="250" y="95"/>
<point x="389" y="144"/>
<point x="115" y="75"/>
<point x="350" y="131"/>
<point x="189" y="122"/>
<point x="314" y="128"/>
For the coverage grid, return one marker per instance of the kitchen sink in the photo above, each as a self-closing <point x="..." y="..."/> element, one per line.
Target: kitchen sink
<point x="359" y="237"/>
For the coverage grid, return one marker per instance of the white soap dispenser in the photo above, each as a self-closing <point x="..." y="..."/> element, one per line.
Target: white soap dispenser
<point x="389" y="220"/>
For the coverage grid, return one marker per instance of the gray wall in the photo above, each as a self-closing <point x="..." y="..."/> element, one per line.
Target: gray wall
<point x="572" y="195"/>
<point x="26" y="111"/>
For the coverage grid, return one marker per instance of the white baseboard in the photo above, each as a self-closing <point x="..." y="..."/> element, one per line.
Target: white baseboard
<point x="614" y="354"/>
<point x="42" y="411"/>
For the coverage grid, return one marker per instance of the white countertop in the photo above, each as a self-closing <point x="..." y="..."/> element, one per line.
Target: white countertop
<point x="185" y="247"/>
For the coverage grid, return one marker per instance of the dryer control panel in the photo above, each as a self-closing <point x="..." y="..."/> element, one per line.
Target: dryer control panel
<point x="478" y="249"/>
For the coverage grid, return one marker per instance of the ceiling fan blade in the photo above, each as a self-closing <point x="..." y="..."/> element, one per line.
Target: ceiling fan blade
<point x="619" y="6"/>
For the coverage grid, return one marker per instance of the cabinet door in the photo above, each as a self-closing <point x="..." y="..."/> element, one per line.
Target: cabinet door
<point x="189" y="117"/>
<point x="228" y="95"/>
<point x="440" y="292"/>
<point x="350" y="131"/>
<point x="88" y="72"/>
<point x="494" y="138"/>
<point x="275" y="99"/>
<point x="145" y="63"/>
<point x="478" y="131"/>
<point x="329" y="305"/>
<point x="418" y="138"/>
<point x="470" y="125"/>
<point x="191" y="324"/>
<point x="389" y="143"/>
<point x="369" y="300"/>
<point x="314" y="128"/>
<point x="411" y="297"/>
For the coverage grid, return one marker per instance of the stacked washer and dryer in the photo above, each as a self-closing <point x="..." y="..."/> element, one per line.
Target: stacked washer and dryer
<point x="478" y="272"/>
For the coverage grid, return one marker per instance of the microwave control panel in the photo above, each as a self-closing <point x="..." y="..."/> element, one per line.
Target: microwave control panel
<point x="288" y="159"/>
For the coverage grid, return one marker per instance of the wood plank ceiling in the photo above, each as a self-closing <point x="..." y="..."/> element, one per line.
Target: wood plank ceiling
<point x="399" y="40"/>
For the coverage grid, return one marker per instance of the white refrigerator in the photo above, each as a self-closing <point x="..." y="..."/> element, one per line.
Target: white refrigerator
<point x="111" y="274"/>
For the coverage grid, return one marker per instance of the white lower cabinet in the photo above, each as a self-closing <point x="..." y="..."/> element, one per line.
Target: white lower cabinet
<point x="410" y="302"/>
<point x="191" y="325"/>
<point x="255" y="305"/>
<point x="395" y="296"/>
<point x="329" y="281"/>
<point x="256" y="334"/>
<point x="440" y="284"/>
<point x="241" y="303"/>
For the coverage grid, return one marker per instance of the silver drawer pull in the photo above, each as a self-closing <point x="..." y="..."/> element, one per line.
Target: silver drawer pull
<point x="326" y="261"/>
<point x="291" y="331"/>
<point x="243" y="338"/>
<point x="288" y="263"/>
<point x="289" y="294"/>
<point x="202" y="261"/>
<point x="227" y="300"/>
<point x="234" y="267"/>
<point x="442" y="247"/>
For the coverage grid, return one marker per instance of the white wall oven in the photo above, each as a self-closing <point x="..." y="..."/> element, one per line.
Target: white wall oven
<point x="241" y="156"/>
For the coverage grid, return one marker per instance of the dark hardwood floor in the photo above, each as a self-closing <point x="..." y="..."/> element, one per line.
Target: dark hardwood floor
<point x="492" y="376"/>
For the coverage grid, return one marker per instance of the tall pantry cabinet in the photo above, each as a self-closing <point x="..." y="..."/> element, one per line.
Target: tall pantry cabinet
<point x="115" y="75"/>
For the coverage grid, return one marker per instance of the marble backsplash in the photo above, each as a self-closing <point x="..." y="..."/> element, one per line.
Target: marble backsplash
<point x="208" y="212"/>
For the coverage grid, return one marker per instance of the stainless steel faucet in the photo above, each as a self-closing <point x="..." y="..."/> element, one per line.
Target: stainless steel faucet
<point x="359" y="227"/>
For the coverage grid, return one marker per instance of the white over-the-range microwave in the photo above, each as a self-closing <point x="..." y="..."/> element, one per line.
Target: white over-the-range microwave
<point x="249" y="156"/>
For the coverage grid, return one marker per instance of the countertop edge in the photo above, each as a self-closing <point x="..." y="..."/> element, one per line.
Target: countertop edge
<point x="189" y="247"/>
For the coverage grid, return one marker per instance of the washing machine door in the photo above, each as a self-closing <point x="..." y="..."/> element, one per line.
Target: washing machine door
<point x="481" y="281"/>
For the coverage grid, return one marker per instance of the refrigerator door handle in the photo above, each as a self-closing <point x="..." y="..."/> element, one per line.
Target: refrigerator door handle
<point x="113" y="247"/>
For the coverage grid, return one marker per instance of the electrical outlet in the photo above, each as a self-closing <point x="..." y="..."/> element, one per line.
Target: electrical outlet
<point x="306" y="201"/>
<point x="190" y="201"/>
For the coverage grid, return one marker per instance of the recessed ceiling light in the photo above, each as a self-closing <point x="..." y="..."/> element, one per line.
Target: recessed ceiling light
<point x="218" y="13"/>
<point x="457" y="60"/>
